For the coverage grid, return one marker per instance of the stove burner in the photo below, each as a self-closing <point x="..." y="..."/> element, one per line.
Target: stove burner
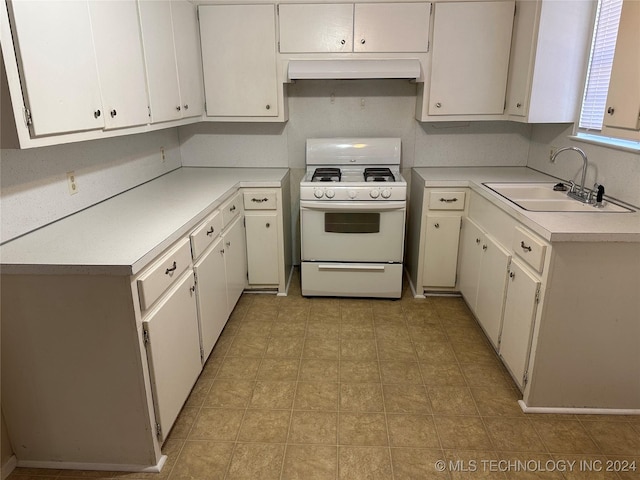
<point x="378" y="174"/>
<point x="326" y="174"/>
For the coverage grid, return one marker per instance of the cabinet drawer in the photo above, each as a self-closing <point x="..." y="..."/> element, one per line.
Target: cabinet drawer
<point x="439" y="200"/>
<point x="159" y="276"/>
<point x="205" y="234"/>
<point x="531" y="249"/>
<point x="231" y="208"/>
<point x="260" y="200"/>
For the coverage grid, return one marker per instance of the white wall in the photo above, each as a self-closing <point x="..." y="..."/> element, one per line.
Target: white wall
<point x="33" y="182"/>
<point x="617" y="170"/>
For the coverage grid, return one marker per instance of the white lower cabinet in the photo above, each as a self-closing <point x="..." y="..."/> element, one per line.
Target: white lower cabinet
<point x="519" y="315"/>
<point x="441" y="250"/>
<point x="173" y="345"/>
<point x="235" y="261"/>
<point x="262" y="247"/>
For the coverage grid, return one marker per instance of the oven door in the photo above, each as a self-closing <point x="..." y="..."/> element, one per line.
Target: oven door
<point x="352" y="231"/>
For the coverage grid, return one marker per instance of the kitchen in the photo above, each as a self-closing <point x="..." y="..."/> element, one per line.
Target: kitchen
<point x="34" y="181"/>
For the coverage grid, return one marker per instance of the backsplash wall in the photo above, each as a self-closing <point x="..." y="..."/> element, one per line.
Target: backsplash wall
<point x="34" y="189"/>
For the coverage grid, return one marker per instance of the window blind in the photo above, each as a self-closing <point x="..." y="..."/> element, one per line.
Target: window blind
<point x="603" y="48"/>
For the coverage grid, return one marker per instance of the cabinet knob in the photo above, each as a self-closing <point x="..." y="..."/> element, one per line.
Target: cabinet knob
<point x="222" y="250"/>
<point x="512" y="274"/>
<point x="610" y="110"/>
<point x="228" y="244"/>
<point x="186" y="106"/>
<point x="343" y="41"/>
<point x="210" y="231"/>
<point x="268" y="225"/>
<point x="484" y="247"/>
<point x="193" y="289"/>
<point x="113" y="113"/>
<point x="362" y="41"/>
<point x="518" y="105"/>
<point x="97" y="113"/>
<point x="437" y="225"/>
<point x="268" y="107"/>
<point x="178" y="108"/>
<point x="438" y="105"/>
<point x="477" y="241"/>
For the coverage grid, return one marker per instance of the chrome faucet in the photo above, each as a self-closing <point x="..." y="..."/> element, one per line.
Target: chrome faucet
<point x="582" y="194"/>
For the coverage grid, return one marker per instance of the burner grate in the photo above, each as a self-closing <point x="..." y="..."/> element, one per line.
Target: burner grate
<point x="378" y="174"/>
<point x="326" y="174"/>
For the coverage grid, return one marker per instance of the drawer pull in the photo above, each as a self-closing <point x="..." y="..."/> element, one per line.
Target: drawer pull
<point x="210" y="231"/>
<point x="259" y="200"/>
<point x="512" y="275"/>
<point x="525" y="247"/>
<point x="222" y="251"/>
<point x="268" y="225"/>
<point x="193" y="289"/>
<point x="171" y="269"/>
<point x="477" y="241"/>
<point x="484" y="247"/>
<point x="233" y="208"/>
<point x="228" y="244"/>
<point x="437" y="225"/>
<point x="449" y="200"/>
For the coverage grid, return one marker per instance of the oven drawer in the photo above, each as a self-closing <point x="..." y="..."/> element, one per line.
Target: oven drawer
<point x="352" y="279"/>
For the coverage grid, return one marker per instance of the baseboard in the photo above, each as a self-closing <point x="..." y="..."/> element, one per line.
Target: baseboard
<point x="113" y="467"/>
<point x="578" y="410"/>
<point x="9" y="466"/>
<point x="411" y="286"/>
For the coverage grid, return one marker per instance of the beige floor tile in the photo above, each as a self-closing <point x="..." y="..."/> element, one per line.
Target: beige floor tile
<point x="396" y="349"/>
<point x="368" y="429"/>
<point x="475" y="352"/>
<point x="358" y="349"/>
<point x="614" y="438"/>
<point x="273" y="395"/>
<point x="406" y="430"/>
<point x="472" y="465"/>
<point x="420" y="316"/>
<point x="261" y="313"/>
<point x="435" y="352"/>
<point x="256" y="461"/>
<point x="184" y="422"/>
<point x="564" y="436"/>
<point x="265" y="426"/>
<point x="513" y="434"/>
<point x="202" y="459"/>
<point x="239" y="368"/>
<point x="316" y="370"/>
<point x="286" y="327"/>
<point x="362" y="331"/>
<point x="229" y="393"/>
<point x="325" y="348"/>
<point x="437" y="374"/>
<point x="93" y="474"/>
<point x="310" y="462"/>
<point x="279" y="369"/>
<point x="294" y="312"/>
<point x="314" y="427"/>
<point x="218" y="424"/>
<point x="486" y="375"/>
<point x="199" y="393"/>
<point x="417" y="464"/>
<point x="400" y="372"/>
<point x="362" y="397"/>
<point x="254" y="329"/>
<point x="462" y="433"/>
<point x="403" y="398"/>
<point x="428" y="332"/>
<point x="447" y="400"/>
<point x="359" y="371"/>
<point x="364" y="463"/>
<point x="626" y="466"/>
<point x="316" y="396"/>
<point x="284" y="347"/>
<point x="322" y="329"/>
<point x="265" y="301"/>
<point x="464" y="333"/>
<point x="527" y="466"/>
<point x="211" y="367"/>
<point x="248" y="347"/>
<point x="586" y="467"/>
<point x="21" y="476"/>
<point x="497" y="401"/>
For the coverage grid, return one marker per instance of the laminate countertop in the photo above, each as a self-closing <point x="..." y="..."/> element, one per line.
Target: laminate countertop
<point x="596" y="226"/>
<point x="122" y="234"/>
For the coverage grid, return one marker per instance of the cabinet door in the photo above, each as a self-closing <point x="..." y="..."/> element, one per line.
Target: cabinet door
<point x="471" y="241"/>
<point x="520" y="62"/>
<point x="187" y="44"/>
<point x="471" y="44"/>
<point x="262" y="248"/>
<point x="492" y="286"/>
<point x="239" y="60"/>
<point x="235" y="261"/>
<point x="519" y="315"/>
<point x="160" y="60"/>
<point x="58" y="66"/>
<point x="174" y="351"/>
<point x="116" y="36"/>
<point x="316" y="28"/>
<point x="441" y="250"/>
<point x="212" y="296"/>
<point x="623" y="101"/>
<point x="391" y="27"/>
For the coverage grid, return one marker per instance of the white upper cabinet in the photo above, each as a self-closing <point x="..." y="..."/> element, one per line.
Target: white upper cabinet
<point x="187" y="43"/>
<point x="548" y="60"/>
<point x="118" y="48"/>
<point x="316" y="28"/>
<point x="160" y="59"/>
<point x="623" y="101"/>
<point x="391" y="27"/>
<point x="359" y="28"/>
<point x="471" y="44"/>
<point x="239" y="61"/>
<point x="58" y="66"/>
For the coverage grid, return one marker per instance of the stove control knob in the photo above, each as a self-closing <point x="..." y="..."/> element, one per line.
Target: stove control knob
<point x="386" y="193"/>
<point x="352" y="193"/>
<point x="318" y="193"/>
<point x="374" y="193"/>
<point x="330" y="194"/>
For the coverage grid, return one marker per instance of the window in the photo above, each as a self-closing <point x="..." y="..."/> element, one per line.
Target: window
<point x="601" y="60"/>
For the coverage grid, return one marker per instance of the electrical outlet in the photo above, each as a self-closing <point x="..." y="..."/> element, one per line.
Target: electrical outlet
<point x="552" y="151"/>
<point x="72" y="183"/>
<point x="162" y="154"/>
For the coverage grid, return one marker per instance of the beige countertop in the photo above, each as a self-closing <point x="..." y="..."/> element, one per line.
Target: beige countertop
<point x="553" y="226"/>
<point x="119" y="236"/>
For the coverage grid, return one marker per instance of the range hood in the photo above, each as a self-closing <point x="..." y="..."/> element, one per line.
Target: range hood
<point x="354" y="69"/>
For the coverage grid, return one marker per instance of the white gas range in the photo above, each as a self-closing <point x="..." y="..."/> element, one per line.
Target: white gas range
<point x="352" y="218"/>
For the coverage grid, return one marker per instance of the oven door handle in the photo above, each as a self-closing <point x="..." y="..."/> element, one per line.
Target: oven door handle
<point x="367" y="268"/>
<point x="353" y="206"/>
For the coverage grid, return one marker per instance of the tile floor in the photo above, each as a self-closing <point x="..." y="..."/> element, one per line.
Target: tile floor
<point x="353" y="389"/>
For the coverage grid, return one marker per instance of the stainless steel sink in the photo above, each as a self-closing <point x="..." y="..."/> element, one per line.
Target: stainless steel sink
<point x="541" y="197"/>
